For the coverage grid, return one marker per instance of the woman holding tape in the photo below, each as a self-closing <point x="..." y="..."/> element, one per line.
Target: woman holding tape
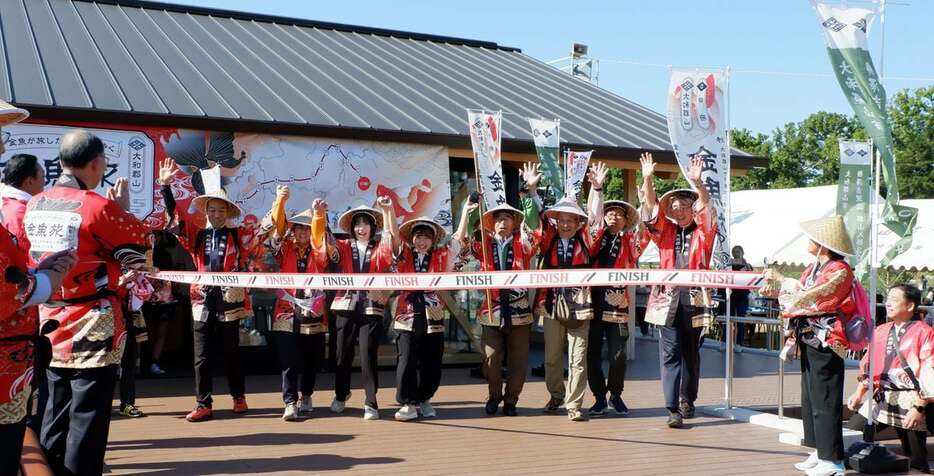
<point x="818" y="304"/>
<point x="298" y="322"/>
<point x="359" y="314"/>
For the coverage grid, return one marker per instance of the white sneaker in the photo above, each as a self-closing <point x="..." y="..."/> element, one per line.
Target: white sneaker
<point x="291" y="412"/>
<point x="827" y="468"/>
<point x="306" y="404"/>
<point x="406" y="413"/>
<point x="338" y="406"/>
<point x="370" y="413"/>
<point x="154" y="369"/>
<point x="808" y="463"/>
<point x="427" y="410"/>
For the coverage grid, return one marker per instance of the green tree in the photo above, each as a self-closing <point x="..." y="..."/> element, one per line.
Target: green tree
<point x="911" y="114"/>
<point x="757" y="144"/>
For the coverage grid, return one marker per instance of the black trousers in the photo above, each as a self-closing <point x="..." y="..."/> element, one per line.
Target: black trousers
<point x="128" y="367"/>
<point x="12" y="447"/>
<point x="206" y="337"/>
<point x="679" y="355"/>
<point x="914" y="443"/>
<point x="300" y="357"/>
<point x="77" y="419"/>
<point x="418" y="372"/>
<point x="822" y="401"/>
<point x="351" y="330"/>
<point x="617" y="335"/>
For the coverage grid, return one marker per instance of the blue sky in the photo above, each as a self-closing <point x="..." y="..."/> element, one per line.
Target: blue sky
<point x="773" y="35"/>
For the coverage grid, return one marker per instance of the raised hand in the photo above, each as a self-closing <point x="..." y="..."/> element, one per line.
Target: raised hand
<point x="531" y="175"/>
<point x="384" y="202"/>
<point x="597" y="175"/>
<point x="319" y="205"/>
<point x="166" y="171"/>
<point x="282" y="192"/>
<point x="120" y="193"/>
<point x="648" y="164"/>
<point x="694" y="171"/>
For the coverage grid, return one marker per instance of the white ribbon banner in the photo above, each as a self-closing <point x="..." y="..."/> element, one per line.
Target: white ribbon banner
<point x="473" y="280"/>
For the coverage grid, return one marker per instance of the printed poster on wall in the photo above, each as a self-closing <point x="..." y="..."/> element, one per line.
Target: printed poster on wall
<point x="129" y="154"/>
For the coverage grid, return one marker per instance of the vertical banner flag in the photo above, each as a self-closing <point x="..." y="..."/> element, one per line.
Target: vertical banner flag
<point x="845" y="31"/>
<point x="853" y="192"/>
<point x="547" y="137"/>
<point x="575" y="169"/>
<point x="697" y="126"/>
<point x="486" y="139"/>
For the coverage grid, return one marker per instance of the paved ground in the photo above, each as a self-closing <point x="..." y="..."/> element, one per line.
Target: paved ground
<point x="462" y="440"/>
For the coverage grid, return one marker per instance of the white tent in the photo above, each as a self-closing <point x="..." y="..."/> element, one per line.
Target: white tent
<point x="765" y="224"/>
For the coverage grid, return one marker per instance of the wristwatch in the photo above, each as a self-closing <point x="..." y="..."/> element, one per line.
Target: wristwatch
<point x="920" y="408"/>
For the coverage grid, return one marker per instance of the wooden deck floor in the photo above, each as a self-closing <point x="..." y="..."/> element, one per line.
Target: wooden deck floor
<point x="461" y="440"/>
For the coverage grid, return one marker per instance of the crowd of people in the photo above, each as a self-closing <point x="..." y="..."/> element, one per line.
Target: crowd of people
<point x="77" y="296"/>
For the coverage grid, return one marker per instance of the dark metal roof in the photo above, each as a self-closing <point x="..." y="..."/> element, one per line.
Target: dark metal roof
<point x="210" y="68"/>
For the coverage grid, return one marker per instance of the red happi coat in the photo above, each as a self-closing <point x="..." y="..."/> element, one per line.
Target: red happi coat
<point x="13" y="209"/>
<point x="631" y="245"/>
<point x="440" y="260"/>
<point x="287" y="254"/>
<point x="821" y="301"/>
<point x="235" y="303"/>
<point x="577" y="298"/>
<point x="91" y="331"/>
<point x="370" y="303"/>
<point x="916" y="346"/>
<point x="522" y="250"/>
<point x="664" y="233"/>
<point x="17" y="328"/>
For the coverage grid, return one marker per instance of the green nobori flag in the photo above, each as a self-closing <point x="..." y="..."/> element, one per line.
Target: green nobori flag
<point x="547" y="137"/>
<point x="853" y="195"/>
<point x="845" y="30"/>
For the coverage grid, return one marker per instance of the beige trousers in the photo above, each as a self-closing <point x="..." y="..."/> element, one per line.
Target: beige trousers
<point x="576" y="333"/>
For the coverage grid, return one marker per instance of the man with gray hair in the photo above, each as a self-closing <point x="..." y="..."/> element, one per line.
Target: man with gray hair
<point x="88" y="343"/>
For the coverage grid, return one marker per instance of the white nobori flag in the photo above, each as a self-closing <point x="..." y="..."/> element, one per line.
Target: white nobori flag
<point x="485" y="137"/>
<point x="697" y="126"/>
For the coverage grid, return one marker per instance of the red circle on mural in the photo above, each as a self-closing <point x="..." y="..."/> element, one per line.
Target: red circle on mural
<point x="363" y="183"/>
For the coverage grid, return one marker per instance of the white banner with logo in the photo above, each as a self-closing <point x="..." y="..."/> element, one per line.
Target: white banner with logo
<point x="129" y="154"/>
<point x="575" y="169"/>
<point x="698" y="126"/>
<point x="486" y="139"/>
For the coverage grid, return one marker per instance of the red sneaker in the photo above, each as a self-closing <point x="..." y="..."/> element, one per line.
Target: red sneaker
<point x="240" y="405"/>
<point x="200" y="413"/>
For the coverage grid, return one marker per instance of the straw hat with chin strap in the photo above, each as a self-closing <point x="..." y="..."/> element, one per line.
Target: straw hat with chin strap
<point x="489" y="217"/>
<point x="201" y="202"/>
<point x="629" y="211"/>
<point x="830" y="233"/>
<point x="302" y="218"/>
<point x="406" y="231"/>
<point x="566" y="205"/>
<point x="346" y="219"/>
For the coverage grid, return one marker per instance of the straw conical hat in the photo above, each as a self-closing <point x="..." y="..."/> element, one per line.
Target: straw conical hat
<point x="488" y="221"/>
<point x="830" y="233"/>
<point x="630" y="212"/>
<point x="665" y="201"/>
<point x="303" y="218"/>
<point x="10" y="114"/>
<point x="565" y="205"/>
<point x="201" y="202"/>
<point x="346" y="220"/>
<point x="409" y="226"/>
